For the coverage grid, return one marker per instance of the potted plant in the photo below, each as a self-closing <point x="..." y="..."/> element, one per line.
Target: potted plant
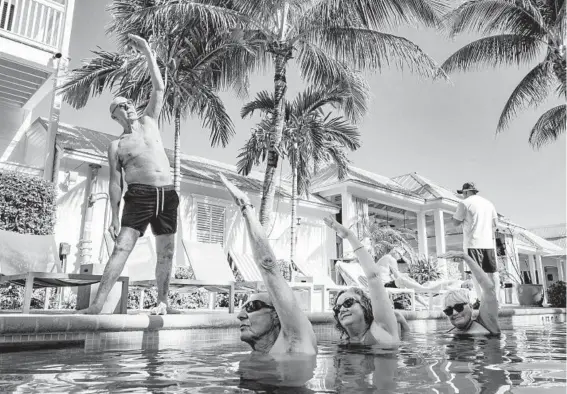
<point x="529" y="294"/>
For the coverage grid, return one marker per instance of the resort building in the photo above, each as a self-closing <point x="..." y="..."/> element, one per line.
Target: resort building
<point x="207" y="215"/>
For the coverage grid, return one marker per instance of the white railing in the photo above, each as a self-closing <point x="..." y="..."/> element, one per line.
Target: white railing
<point x="39" y="21"/>
<point x="17" y="167"/>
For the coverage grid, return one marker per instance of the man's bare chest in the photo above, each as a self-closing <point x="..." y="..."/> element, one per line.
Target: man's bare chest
<point x="137" y="145"/>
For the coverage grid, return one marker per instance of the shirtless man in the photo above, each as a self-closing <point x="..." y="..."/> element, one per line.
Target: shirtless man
<point x="150" y="198"/>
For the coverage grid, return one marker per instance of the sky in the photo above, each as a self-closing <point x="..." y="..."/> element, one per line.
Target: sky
<point x="443" y="131"/>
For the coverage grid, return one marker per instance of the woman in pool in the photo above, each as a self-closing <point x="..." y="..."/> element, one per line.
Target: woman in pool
<point x="459" y="309"/>
<point x="362" y="319"/>
<point x="272" y="322"/>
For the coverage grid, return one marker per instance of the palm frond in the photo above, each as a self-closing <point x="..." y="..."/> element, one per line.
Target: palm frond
<point x="95" y="75"/>
<point x="531" y="91"/>
<point x="322" y="72"/>
<point x="210" y="108"/>
<point x="255" y="149"/>
<point x="338" y="130"/>
<point x="264" y="102"/>
<point x="375" y="14"/>
<point x="496" y="16"/>
<point x="507" y="49"/>
<point x="366" y="49"/>
<point x="549" y="127"/>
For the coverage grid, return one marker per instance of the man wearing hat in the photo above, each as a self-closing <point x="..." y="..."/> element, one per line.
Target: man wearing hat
<point x="479" y="219"/>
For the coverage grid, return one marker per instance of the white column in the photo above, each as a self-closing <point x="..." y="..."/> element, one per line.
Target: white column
<point x="440" y="246"/>
<point x="422" y="234"/>
<point x="348" y="214"/>
<point x="54" y="115"/>
<point x="560" y="270"/>
<point x="532" y="266"/>
<point x="24" y="126"/>
<point x="542" y="279"/>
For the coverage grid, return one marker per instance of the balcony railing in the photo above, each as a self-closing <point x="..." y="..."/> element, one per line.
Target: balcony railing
<point x="33" y="21"/>
<point x="16" y="167"/>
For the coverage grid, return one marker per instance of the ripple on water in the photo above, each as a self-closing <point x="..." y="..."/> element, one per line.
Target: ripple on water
<point x="528" y="358"/>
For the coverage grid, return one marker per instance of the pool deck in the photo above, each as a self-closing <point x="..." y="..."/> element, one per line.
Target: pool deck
<point x="64" y="322"/>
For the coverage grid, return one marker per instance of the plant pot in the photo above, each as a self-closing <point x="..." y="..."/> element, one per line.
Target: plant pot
<point x="530" y="295"/>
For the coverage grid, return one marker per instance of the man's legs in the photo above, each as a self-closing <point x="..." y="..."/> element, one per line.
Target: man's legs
<point x="122" y="248"/>
<point x="165" y="245"/>
<point x="486" y="259"/>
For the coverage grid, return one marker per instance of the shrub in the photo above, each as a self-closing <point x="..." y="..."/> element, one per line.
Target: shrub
<point x="27" y="204"/>
<point x="556" y="294"/>
<point x="424" y="269"/>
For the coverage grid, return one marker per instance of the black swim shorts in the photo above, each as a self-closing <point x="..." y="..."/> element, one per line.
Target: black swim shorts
<point x="486" y="258"/>
<point x="157" y="206"/>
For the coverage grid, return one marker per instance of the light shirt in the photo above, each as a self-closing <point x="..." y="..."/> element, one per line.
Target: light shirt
<point x="477" y="215"/>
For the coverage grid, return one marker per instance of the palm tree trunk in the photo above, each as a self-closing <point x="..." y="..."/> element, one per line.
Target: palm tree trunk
<point x="177" y="154"/>
<point x="559" y="64"/>
<point x="280" y="84"/>
<point x="293" y="210"/>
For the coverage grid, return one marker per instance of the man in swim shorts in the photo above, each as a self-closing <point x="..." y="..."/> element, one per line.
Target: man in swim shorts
<point x="139" y="159"/>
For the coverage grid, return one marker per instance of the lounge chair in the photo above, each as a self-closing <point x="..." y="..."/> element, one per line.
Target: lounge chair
<point x="321" y="282"/>
<point x="32" y="261"/>
<point x="253" y="278"/>
<point x="353" y="275"/>
<point x="211" y="269"/>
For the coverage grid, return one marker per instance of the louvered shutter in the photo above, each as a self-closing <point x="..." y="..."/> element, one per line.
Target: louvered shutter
<point x="210" y="223"/>
<point x="7" y="16"/>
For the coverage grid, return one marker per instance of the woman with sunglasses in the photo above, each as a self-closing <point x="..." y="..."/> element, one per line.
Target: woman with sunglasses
<point x="362" y="319"/>
<point x="271" y="322"/>
<point x="459" y="309"/>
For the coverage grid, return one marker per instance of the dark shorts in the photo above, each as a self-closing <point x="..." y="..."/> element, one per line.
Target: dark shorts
<point x="391" y="284"/>
<point x="156" y="206"/>
<point x="486" y="258"/>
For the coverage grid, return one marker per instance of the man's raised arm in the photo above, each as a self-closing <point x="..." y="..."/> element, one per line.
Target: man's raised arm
<point x="153" y="109"/>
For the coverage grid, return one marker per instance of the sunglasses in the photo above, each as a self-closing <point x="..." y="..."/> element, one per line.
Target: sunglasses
<point x="457" y="307"/>
<point x="124" y="106"/>
<point x="346" y="303"/>
<point x="256" y="305"/>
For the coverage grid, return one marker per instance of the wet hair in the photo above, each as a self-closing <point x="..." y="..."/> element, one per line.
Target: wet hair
<point x="365" y="303"/>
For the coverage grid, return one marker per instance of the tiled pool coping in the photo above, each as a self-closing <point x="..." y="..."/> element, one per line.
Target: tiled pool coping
<point x="18" y="324"/>
<point x="140" y="331"/>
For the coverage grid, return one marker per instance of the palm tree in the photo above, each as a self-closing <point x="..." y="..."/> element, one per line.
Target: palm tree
<point x="327" y="38"/>
<point x="517" y="32"/>
<point x="311" y="138"/>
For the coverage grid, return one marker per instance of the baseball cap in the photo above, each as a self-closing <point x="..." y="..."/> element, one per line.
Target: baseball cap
<point x="468" y="187"/>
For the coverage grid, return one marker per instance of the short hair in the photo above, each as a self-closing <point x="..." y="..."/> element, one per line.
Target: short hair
<point x="365" y="303"/>
<point x="457" y="296"/>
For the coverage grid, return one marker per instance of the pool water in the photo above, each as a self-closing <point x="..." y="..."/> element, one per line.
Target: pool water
<point x="528" y="358"/>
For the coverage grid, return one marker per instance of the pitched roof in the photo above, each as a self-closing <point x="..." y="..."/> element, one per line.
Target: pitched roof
<point x="95" y="143"/>
<point x="425" y="188"/>
<point x="556" y="233"/>
<point x="329" y="176"/>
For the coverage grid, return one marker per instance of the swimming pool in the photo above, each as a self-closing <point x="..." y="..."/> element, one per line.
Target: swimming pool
<point x="528" y="358"/>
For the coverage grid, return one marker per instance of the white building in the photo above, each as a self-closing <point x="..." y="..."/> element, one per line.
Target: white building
<point x="409" y="201"/>
<point x="34" y="44"/>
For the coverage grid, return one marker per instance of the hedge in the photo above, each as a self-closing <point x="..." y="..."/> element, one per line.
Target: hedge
<point x="27" y="204"/>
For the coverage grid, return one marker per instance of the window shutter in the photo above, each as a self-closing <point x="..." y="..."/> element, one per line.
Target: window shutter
<point x="7" y="16"/>
<point x="210" y="223"/>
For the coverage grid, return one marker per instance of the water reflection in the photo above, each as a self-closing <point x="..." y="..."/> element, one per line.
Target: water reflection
<point x="290" y="371"/>
<point x="528" y="358"/>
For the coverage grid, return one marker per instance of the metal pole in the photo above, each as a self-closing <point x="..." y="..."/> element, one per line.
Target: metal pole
<point x="85" y="243"/>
